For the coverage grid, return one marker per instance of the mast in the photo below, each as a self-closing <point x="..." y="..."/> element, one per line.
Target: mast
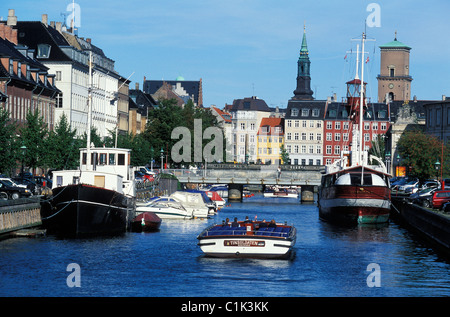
<point x="89" y="106"/>
<point x="361" y="105"/>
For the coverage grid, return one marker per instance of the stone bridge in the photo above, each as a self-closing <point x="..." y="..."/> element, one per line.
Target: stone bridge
<point x="237" y="175"/>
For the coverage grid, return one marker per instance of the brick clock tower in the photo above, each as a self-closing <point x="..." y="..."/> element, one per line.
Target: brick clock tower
<point x="394" y="81"/>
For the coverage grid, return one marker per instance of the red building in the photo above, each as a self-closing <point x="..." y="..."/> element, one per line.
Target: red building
<point x="25" y="83"/>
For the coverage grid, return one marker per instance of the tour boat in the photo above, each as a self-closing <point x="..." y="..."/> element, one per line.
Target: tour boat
<point x="283" y="192"/>
<point x="248" y="240"/>
<point x="146" y="221"/>
<point x="164" y="207"/>
<point x="352" y="191"/>
<point x="96" y="199"/>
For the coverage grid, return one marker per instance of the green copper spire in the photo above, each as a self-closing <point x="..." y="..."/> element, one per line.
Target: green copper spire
<point x="303" y="91"/>
<point x="304" y="49"/>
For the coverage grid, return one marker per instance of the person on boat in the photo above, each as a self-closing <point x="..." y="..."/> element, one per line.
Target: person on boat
<point x="226" y="223"/>
<point x="235" y="223"/>
<point x="272" y="224"/>
<point x="247" y="220"/>
<point x="263" y="224"/>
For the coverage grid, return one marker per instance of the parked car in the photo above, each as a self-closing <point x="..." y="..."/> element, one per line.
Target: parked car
<point x="397" y="183"/>
<point x="410" y="184"/>
<point x="440" y="197"/>
<point x="446" y="207"/>
<point x="35" y="189"/>
<point x="13" y="191"/>
<point x="425" y="185"/>
<point x="423" y="197"/>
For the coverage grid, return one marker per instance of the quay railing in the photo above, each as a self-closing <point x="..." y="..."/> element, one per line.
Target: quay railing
<point x="19" y="214"/>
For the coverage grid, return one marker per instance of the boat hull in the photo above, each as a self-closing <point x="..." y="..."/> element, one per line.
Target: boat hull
<point x="84" y="210"/>
<point x="240" y="243"/>
<point x="355" y="204"/>
<point x="146" y="222"/>
<point x="165" y="213"/>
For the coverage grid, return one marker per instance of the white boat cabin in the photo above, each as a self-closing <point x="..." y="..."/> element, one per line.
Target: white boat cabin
<point x="107" y="168"/>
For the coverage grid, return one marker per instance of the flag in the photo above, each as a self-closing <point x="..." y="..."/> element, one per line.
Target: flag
<point x="367" y="60"/>
<point x="345" y="56"/>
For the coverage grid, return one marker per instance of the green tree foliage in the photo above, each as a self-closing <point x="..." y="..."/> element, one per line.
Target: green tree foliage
<point x="419" y="153"/>
<point x="9" y="147"/>
<point x="62" y="147"/>
<point x="165" y="118"/>
<point x="284" y="155"/>
<point x="33" y="136"/>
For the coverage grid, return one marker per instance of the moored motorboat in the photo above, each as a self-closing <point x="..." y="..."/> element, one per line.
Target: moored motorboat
<point x="146" y="221"/>
<point x="248" y="240"/>
<point x="165" y="208"/>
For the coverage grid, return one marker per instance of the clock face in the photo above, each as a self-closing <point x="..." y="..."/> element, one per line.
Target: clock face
<point x="391" y="86"/>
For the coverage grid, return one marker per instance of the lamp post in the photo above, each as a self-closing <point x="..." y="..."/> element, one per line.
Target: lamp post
<point x="387" y="159"/>
<point x="162" y="159"/>
<point x="23" y="148"/>
<point x="151" y="162"/>
<point x="398" y="165"/>
<point x="437" y="165"/>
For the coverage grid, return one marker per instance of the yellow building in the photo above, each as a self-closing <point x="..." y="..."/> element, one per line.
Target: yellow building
<point x="270" y="137"/>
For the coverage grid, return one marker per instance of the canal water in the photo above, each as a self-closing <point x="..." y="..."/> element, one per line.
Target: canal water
<point x="329" y="261"/>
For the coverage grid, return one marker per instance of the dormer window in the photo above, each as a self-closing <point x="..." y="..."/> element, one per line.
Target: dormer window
<point x="305" y="112"/>
<point x="19" y="69"/>
<point x="43" y="51"/>
<point x="294" y="112"/>
<point x="11" y="67"/>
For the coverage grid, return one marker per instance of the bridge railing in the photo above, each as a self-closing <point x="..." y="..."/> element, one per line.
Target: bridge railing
<point x="262" y="175"/>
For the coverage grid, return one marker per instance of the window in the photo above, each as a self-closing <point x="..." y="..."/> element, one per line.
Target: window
<point x="382" y="114"/>
<point x="59" y="101"/>
<point x="383" y="125"/>
<point x="305" y="112"/>
<point x="58" y="75"/>
<point x="303" y="162"/>
<point x="311" y="136"/>
<point x="391" y="72"/>
<point x="294" y="112"/>
<point x="315" y="112"/>
<point x="329" y="137"/>
<point x="102" y="160"/>
<point x="366" y="126"/>
<point x="337" y="125"/>
<point x="374" y="126"/>
<point x="242" y="138"/>
<point x="303" y="149"/>
<point x="297" y="123"/>
<point x="11" y="67"/>
<point x="346" y="125"/>
<point x="337" y="150"/>
<point x="311" y="124"/>
<point x="252" y="126"/>
<point x="311" y="162"/>
<point x="19" y="69"/>
<point x="328" y="149"/>
<point x="295" y="148"/>
<point x="319" y="136"/>
<point x="112" y="159"/>
<point x="289" y="136"/>
<point x="59" y="181"/>
<point x="121" y="159"/>
<point x="318" y="162"/>
<point x="242" y="126"/>
<point x="329" y="125"/>
<point x="311" y="150"/>
<point x="303" y="124"/>
<point x="345" y="137"/>
<point x="289" y="123"/>
<point x="318" y="150"/>
<point x="337" y="137"/>
<point x="43" y="51"/>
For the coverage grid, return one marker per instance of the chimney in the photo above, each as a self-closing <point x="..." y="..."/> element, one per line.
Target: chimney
<point x="45" y="19"/>
<point x="137" y="86"/>
<point x="12" y="19"/>
<point x="52" y="24"/>
<point x="58" y="26"/>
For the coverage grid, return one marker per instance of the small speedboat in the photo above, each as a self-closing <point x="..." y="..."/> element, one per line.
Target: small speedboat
<point x="248" y="240"/>
<point x="146" y="221"/>
<point x="165" y="208"/>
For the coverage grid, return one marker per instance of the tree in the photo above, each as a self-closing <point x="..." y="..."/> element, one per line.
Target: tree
<point x="62" y="147"/>
<point x="378" y="147"/>
<point x="419" y="153"/>
<point x="284" y="155"/>
<point x="9" y="147"/>
<point x="33" y="136"/>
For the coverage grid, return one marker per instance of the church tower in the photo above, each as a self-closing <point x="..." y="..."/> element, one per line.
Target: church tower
<point x="394" y="81"/>
<point x="303" y="91"/>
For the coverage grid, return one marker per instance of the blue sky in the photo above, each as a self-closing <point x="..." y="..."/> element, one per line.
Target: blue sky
<point x="242" y="48"/>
